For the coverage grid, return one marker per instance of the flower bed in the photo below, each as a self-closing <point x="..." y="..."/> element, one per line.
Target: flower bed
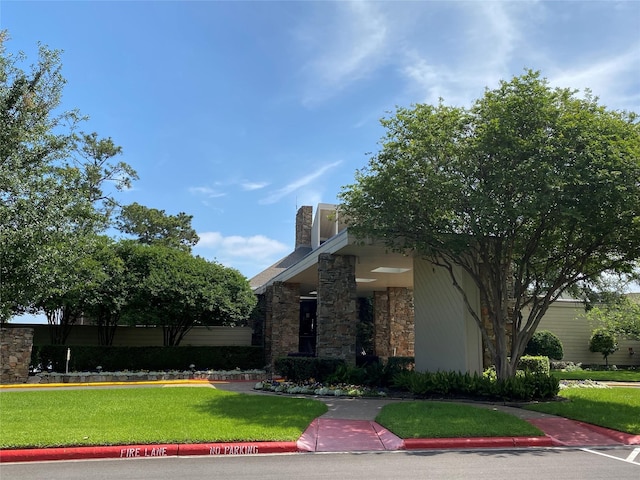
<point x="339" y="390"/>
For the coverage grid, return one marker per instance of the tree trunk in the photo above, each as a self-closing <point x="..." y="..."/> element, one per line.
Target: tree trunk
<point x="107" y="325"/>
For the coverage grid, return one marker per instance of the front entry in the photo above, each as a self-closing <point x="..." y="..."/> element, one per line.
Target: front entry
<point x="307" y="336"/>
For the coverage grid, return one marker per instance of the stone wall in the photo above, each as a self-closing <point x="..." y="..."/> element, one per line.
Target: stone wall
<point x="283" y="320"/>
<point x="382" y="327"/>
<point x="394" y="323"/>
<point x="15" y="357"/>
<point x="337" y="313"/>
<point x="178" y="377"/>
<point x="401" y="318"/>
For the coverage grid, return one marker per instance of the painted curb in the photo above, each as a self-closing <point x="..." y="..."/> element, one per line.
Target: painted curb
<point x="622" y="437"/>
<point x="109" y="384"/>
<point x="145" y="451"/>
<point x="479" y="442"/>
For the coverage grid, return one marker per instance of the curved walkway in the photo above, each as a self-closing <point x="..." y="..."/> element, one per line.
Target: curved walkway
<point x="349" y="425"/>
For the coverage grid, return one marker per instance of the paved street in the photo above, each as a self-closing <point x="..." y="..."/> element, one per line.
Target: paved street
<point x="574" y="464"/>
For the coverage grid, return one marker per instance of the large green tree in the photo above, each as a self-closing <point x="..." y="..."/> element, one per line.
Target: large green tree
<point x="530" y="191"/>
<point x="105" y="295"/>
<point x="172" y="288"/>
<point x="151" y="226"/>
<point x="35" y="202"/>
<point x="53" y="198"/>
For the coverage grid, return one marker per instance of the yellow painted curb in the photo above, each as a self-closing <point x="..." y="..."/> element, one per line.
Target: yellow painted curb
<point x="103" y="384"/>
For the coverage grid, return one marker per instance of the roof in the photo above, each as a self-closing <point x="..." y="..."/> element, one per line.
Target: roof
<point x="280" y="266"/>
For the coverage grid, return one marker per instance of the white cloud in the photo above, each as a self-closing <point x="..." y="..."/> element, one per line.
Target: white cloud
<point x="257" y="247"/>
<point x="249" y="255"/>
<point x="249" y="186"/>
<point x="276" y="195"/>
<point x="616" y="80"/>
<point x="343" y="49"/>
<point x="206" y="192"/>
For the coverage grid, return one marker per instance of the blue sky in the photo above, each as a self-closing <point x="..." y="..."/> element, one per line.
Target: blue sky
<point x="238" y="112"/>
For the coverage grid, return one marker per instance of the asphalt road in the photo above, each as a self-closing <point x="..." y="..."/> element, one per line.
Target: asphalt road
<point x="619" y="463"/>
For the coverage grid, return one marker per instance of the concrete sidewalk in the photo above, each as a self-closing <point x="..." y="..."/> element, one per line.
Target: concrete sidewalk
<point x="348" y="426"/>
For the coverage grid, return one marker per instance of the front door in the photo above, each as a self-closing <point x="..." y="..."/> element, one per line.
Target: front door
<point x="307" y="342"/>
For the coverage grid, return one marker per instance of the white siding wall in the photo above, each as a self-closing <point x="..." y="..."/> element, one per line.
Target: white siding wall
<point x="447" y="338"/>
<point x="566" y="319"/>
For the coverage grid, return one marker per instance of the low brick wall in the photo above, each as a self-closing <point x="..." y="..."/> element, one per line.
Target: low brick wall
<point x="94" y="377"/>
<point x="15" y="354"/>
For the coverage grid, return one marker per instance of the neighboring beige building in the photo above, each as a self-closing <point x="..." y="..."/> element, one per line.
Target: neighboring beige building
<point x="566" y="319"/>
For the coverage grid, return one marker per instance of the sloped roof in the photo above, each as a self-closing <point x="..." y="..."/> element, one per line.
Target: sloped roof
<point x="280" y="266"/>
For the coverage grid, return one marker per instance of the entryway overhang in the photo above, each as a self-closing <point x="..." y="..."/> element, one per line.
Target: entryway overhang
<point x="377" y="268"/>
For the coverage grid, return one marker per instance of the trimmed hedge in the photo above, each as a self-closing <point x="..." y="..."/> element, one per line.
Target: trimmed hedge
<point x="301" y="369"/>
<point x="527" y="386"/>
<point x="533" y="364"/>
<point x="112" y="359"/>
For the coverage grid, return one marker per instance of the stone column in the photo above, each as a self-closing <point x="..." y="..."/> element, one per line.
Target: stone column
<point x="401" y="321"/>
<point x="283" y="320"/>
<point x="382" y="327"/>
<point x="337" y="313"/>
<point x="394" y="323"/>
<point x="15" y="354"/>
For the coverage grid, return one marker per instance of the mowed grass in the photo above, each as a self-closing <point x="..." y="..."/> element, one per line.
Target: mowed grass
<point x="427" y="419"/>
<point x="600" y="375"/>
<point x="617" y="408"/>
<point x="55" y="418"/>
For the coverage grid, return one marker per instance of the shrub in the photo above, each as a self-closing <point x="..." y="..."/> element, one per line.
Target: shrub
<point x="545" y="343"/>
<point x="531" y="364"/>
<point x="524" y="387"/>
<point x="301" y="369"/>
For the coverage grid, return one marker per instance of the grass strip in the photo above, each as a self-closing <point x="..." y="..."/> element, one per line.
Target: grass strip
<point x="600" y="375"/>
<point x="149" y="416"/>
<point x="616" y="408"/>
<point x="428" y="419"/>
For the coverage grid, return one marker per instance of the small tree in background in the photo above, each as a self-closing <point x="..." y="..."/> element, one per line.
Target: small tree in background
<point x="545" y="343"/>
<point x="604" y="342"/>
<point x="621" y="318"/>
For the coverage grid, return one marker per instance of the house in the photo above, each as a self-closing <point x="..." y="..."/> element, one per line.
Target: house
<point x="311" y="299"/>
<point x="311" y="303"/>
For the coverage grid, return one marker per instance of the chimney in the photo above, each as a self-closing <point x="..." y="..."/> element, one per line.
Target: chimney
<point x="304" y="220"/>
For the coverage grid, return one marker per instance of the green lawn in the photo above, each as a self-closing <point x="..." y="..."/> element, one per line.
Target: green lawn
<point x="600" y="375"/>
<point x="617" y="408"/>
<point x="149" y="415"/>
<point x="427" y="419"/>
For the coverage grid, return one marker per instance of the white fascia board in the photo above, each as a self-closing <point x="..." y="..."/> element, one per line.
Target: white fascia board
<point x="332" y="245"/>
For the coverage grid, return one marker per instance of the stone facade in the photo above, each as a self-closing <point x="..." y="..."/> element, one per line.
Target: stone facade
<point x="337" y="313"/>
<point x="304" y="222"/>
<point x="282" y="322"/>
<point x="15" y="357"/>
<point x="394" y="323"/>
<point x="401" y="317"/>
<point x="381" y="325"/>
